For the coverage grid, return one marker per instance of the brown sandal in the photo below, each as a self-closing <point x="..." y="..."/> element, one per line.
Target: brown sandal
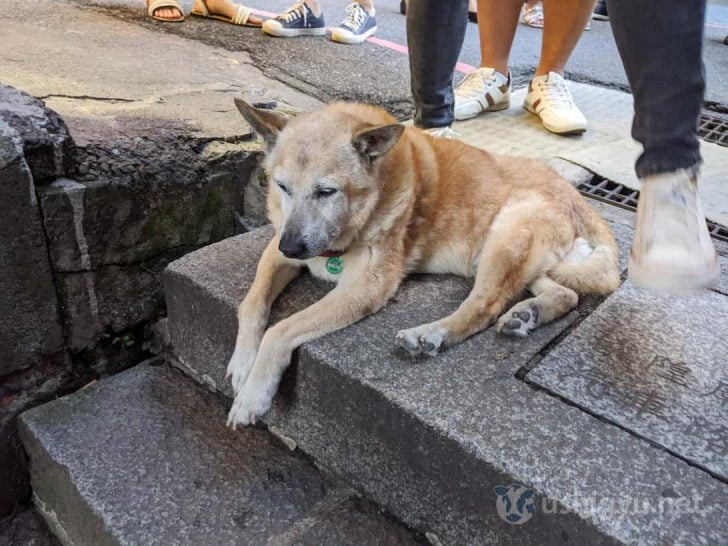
<point x="154" y="5"/>
<point x="241" y="17"/>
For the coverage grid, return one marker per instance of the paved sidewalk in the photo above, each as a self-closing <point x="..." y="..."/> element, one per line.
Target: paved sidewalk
<point x="109" y="79"/>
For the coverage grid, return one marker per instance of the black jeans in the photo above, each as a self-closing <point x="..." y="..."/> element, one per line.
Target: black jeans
<point x="435" y="34"/>
<point x="660" y="43"/>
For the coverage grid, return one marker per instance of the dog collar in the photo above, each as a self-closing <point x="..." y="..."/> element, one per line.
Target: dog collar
<point x="332" y="254"/>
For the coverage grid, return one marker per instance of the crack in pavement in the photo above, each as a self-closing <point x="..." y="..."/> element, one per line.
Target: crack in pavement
<point x="85" y="97"/>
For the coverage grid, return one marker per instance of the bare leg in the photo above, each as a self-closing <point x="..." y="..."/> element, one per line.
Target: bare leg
<point x="367" y="5"/>
<point x="497" y="22"/>
<point x="228" y="8"/>
<point x="564" y="22"/>
<point x="315" y="6"/>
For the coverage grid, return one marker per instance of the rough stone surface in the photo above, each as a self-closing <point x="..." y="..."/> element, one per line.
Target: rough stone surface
<point x="167" y="200"/>
<point x="139" y="204"/>
<point x="47" y="146"/>
<point x="430" y="438"/>
<point x="26" y="284"/>
<point x="31" y="337"/>
<point x="111" y="299"/>
<point x="145" y="458"/>
<point x="653" y="364"/>
<point x="26" y="528"/>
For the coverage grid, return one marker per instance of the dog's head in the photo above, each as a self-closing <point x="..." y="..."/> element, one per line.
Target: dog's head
<point x="323" y="170"/>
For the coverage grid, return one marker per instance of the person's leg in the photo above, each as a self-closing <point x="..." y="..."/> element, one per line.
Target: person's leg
<point x="532" y="14"/>
<point x="315" y="6"/>
<point x="488" y="89"/>
<point x="564" y="22"/>
<point x="435" y="34"/>
<point x="367" y="5"/>
<point x="660" y="43"/>
<point x="497" y="22"/>
<point x="548" y="95"/>
<point x="359" y="24"/>
<point x="304" y="18"/>
<point x="168" y="13"/>
<point x="228" y="8"/>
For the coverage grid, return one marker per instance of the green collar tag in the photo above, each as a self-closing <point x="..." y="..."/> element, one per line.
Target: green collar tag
<point x="335" y="265"/>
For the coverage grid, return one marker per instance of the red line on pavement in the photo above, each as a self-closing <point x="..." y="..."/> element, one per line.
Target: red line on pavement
<point x="263" y="13"/>
<point x="399" y="48"/>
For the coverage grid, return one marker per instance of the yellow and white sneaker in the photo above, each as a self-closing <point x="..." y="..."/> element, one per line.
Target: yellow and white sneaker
<point x="484" y="90"/>
<point x="550" y="99"/>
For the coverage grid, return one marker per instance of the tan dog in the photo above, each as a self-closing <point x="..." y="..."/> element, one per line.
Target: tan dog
<point x="349" y="181"/>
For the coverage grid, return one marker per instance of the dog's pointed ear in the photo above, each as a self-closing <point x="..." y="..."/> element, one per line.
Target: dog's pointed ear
<point x="374" y="142"/>
<point x="264" y="122"/>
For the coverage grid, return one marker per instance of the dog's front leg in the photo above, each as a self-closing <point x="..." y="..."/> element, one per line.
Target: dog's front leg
<point x="274" y="272"/>
<point x="353" y="299"/>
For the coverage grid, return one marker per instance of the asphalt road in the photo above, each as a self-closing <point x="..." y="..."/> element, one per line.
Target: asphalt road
<point x="378" y="73"/>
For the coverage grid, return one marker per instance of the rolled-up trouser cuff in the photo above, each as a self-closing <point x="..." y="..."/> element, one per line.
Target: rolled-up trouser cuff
<point x="435" y="34"/>
<point x="441" y="116"/>
<point x="667" y="161"/>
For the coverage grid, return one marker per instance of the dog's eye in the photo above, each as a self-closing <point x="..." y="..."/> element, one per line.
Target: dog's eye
<point x="283" y="187"/>
<point x="325" y="192"/>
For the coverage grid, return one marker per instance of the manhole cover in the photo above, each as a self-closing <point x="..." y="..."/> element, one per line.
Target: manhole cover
<point x="616" y="194"/>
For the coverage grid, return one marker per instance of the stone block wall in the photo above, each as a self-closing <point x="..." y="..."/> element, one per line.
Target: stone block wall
<point x="85" y="233"/>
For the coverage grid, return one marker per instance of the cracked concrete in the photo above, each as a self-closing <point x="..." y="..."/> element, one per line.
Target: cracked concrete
<point x="157" y="80"/>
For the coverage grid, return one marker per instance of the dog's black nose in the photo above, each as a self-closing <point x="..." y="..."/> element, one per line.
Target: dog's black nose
<point x="292" y="247"/>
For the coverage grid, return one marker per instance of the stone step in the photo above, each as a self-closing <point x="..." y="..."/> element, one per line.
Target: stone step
<point x="144" y="458"/>
<point x="430" y="439"/>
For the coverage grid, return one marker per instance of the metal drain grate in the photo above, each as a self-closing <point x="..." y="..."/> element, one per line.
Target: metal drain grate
<point x="616" y="194"/>
<point x="712" y="128"/>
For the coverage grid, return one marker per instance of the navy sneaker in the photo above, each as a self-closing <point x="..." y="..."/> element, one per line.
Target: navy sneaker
<point x="357" y="27"/>
<point x="298" y="20"/>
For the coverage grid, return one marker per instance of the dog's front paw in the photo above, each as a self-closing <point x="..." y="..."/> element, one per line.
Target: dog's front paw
<point x="252" y="401"/>
<point x="240" y="365"/>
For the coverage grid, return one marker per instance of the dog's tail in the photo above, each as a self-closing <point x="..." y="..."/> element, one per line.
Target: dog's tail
<point x="592" y="266"/>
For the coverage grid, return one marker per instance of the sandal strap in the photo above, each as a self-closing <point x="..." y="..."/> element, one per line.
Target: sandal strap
<point x="154" y="5"/>
<point x="200" y="7"/>
<point x="533" y="13"/>
<point x="242" y="14"/>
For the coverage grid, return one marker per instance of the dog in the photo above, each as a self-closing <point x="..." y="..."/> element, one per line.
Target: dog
<point x="358" y="199"/>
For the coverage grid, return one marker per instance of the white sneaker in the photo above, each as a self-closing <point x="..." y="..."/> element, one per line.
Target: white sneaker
<point x="483" y="90"/>
<point x="550" y="99"/>
<point x="442" y="132"/>
<point x="672" y="249"/>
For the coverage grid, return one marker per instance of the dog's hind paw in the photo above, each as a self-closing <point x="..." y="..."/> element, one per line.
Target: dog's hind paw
<point x="422" y="339"/>
<point x="518" y="322"/>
